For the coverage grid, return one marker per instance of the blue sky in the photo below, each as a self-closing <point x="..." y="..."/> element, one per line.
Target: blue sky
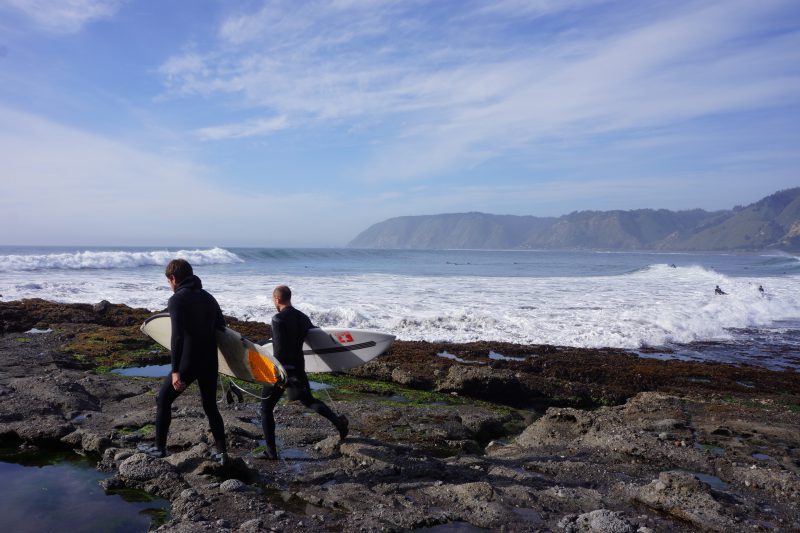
<point x="291" y="123"/>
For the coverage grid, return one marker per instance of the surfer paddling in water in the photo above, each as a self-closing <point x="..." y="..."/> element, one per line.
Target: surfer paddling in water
<point x="289" y="329"/>
<point x="195" y="317"/>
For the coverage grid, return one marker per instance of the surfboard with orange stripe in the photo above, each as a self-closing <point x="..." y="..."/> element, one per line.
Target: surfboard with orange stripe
<point x="237" y="356"/>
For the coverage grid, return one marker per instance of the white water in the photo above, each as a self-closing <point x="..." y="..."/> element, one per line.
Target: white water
<point x="652" y="306"/>
<point x="112" y="259"/>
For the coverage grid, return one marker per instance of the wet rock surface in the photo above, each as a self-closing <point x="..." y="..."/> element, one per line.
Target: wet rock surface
<point x="552" y="375"/>
<point x="565" y="440"/>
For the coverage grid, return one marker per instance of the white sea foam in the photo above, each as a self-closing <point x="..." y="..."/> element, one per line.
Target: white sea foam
<point x="652" y="306"/>
<point x="112" y="259"/>
<point x="655" y="306"/>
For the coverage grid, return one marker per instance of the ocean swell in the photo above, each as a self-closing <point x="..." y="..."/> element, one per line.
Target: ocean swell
<point x="112" y="259"/>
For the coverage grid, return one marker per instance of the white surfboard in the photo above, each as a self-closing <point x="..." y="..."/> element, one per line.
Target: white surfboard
<point x="237" y="356"/>
<point x="325" y="350"/>
<point x="334" y="349"/>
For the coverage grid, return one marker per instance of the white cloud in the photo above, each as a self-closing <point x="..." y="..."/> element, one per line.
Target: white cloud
<point x="469" y="87"/>
<point x="61" y="185"/>
<point x="64" y="16"/>
<point x="243" y="129"/>
<point x="188" y="64"/>
<point x="537" y="7"/>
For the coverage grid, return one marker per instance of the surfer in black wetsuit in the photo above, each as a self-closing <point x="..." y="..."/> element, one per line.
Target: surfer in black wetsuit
<point x="289" y="329"/>
<point x="196" y="317"/>
<point x="719" y="291"/>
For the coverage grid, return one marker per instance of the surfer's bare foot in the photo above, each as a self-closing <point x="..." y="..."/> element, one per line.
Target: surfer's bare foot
<point x="343" y="426"/>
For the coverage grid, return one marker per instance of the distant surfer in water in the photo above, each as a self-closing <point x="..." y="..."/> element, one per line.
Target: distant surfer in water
<point x="195" y="317"/>
<point x="719" y="291"/>
<point x="761" y="289"/>
<point x="289" y="329"/>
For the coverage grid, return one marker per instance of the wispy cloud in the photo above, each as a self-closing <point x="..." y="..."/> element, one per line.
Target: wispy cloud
<point x="466" y="82"/>
<point x="65" y="185"/>
<point x="539" y="8"/>
<point x="63" y="16"/>
<point x="244" y="129"/>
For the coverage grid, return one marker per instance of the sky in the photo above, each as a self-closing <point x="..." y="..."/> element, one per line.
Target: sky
<point x="301" y="123"/>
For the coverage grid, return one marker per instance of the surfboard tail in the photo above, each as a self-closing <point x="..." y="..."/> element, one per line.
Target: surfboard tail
<point x="335" y="349"/>
<point x="237" y="356"/>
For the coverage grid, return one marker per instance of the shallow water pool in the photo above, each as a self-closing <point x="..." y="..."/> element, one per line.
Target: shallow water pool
<point x="57" y="491"/>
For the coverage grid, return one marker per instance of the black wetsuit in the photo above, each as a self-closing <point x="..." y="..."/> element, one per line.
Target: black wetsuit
<point x="289" y="329"/>
<point x="196" y="317"/>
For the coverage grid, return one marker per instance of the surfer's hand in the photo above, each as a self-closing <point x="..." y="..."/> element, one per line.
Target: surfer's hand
<point x="177" y="384"/>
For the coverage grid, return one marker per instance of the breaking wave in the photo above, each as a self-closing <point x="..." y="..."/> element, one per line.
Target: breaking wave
<point x="113" y="259"/>
<point x="580" y="300"/>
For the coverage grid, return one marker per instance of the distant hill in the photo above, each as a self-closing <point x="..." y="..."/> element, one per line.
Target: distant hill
<point x="771" y="223"/>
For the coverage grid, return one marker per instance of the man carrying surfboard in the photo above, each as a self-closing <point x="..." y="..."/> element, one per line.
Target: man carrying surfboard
<point x="289" y="330"/>
<point x="195" y="316"/>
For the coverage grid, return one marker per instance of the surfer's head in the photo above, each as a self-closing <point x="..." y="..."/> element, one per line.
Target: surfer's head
<point x="282" y="296"/>
<point x="177" y="271"/>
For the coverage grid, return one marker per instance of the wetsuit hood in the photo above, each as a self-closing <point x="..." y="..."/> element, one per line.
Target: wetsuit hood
<point x="192" y="283"/>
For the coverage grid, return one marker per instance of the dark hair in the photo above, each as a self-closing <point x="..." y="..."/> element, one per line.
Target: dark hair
<point x="180" y="268"/>
<point x="284" y="293"/>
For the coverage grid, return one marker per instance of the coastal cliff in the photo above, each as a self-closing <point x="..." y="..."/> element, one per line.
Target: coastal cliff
<point x="770" y="223"/>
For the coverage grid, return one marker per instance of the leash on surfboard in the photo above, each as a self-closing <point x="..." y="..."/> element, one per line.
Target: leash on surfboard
<point x="227" y="394"/>
<point x="234" y="385"/>
<point x="235" y="388"/>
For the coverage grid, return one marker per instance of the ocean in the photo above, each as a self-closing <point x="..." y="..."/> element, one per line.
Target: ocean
<point x="658" y="304"/>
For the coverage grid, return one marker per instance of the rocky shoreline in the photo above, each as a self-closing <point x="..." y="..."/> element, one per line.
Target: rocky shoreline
<point x="562" y="440"/>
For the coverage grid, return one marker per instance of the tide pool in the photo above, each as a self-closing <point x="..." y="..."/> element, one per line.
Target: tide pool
<point x="60" y="491"/>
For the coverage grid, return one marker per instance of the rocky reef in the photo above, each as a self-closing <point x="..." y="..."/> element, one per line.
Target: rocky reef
<point x="542" y="438"/>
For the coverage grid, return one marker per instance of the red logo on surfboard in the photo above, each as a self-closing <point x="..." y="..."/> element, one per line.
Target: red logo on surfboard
<point x="344" y="337"/>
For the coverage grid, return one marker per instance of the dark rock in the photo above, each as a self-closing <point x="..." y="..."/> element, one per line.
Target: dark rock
<point x="552" y="375"/>
<point x="682" y="495"/>
<point x="142" y="467"/>
<point x="190" y="495"/>
<point x="101" y="307"/>
<point x="22" y="315"/>
<point x="121" y="456"/>
<point x="87" y="440"/>
<point x="599" y="521"/>
<point x="112" y="483"/>
<point x="251" y="526"/>
<point x="415" y="464"/>
<point x="232" y="485"/>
